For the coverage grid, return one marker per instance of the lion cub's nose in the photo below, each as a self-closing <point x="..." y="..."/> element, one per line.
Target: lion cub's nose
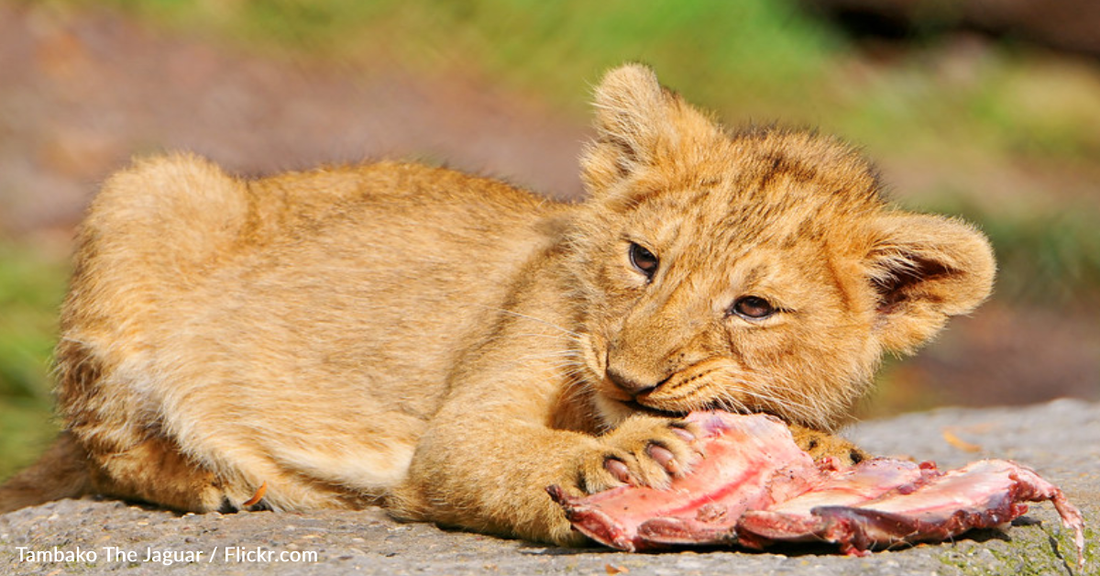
<point x="629" y="383"/>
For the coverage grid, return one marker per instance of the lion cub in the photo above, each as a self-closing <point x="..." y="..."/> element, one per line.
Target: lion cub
<point x="448" y="346"/>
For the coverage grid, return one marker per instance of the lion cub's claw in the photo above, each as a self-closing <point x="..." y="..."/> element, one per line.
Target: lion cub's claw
<point x="642" y="451"/>
<point x="665" y="458"/>
<point x="619" y="470"/>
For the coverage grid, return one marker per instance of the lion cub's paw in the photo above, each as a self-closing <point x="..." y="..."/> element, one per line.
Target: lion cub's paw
<point x="642" y="451"/>
<point x="822" y="445"/>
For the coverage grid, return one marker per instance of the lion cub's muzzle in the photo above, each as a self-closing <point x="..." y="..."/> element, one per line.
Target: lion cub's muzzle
<point x="631" y="385"/>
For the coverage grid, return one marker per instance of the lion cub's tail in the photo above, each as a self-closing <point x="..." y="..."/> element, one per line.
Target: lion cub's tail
<point x="62" y="472"/>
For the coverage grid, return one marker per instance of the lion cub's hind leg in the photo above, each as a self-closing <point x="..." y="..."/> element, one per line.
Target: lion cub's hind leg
<point x="154" y="471"/>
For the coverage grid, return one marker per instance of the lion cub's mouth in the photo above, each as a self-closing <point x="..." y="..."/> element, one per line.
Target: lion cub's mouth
<point x="635" y="406"/>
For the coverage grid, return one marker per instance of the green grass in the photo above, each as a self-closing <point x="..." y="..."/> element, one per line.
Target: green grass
<point x="1050" y="258"/>
<point x="750" y="50"/>
<point x="32" y="284"/>
<point x="26" y="429"/>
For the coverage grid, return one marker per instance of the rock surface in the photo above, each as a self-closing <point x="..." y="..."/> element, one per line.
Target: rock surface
<point x="1060" y="439"/>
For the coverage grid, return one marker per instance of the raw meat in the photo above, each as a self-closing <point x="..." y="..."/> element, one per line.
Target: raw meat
<point x="756" y="487"/>
<point x="707" y="502"/>
<point x="983" y="494"/>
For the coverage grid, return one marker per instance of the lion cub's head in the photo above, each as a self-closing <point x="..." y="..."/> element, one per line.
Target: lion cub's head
<point x="759" y="271"/>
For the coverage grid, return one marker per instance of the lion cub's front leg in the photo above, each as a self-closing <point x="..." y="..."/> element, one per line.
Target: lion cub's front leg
<point x="491" y="475"/>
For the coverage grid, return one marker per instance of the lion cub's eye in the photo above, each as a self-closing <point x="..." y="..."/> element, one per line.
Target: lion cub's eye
<point x="643" y="260"/>
<point x="753" y="308"/>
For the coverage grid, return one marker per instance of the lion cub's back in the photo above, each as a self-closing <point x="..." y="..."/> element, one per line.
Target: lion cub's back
<point x="394" y="278"/>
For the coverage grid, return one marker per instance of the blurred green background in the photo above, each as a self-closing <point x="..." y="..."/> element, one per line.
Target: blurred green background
<point x="1003" y="131"/>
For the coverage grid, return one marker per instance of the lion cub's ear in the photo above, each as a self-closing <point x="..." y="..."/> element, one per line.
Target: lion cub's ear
<point x="640" y="124"/>
<point x="925" y="268"/>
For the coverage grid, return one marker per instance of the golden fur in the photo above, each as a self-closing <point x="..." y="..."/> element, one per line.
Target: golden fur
<point x="448" y="345"/>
